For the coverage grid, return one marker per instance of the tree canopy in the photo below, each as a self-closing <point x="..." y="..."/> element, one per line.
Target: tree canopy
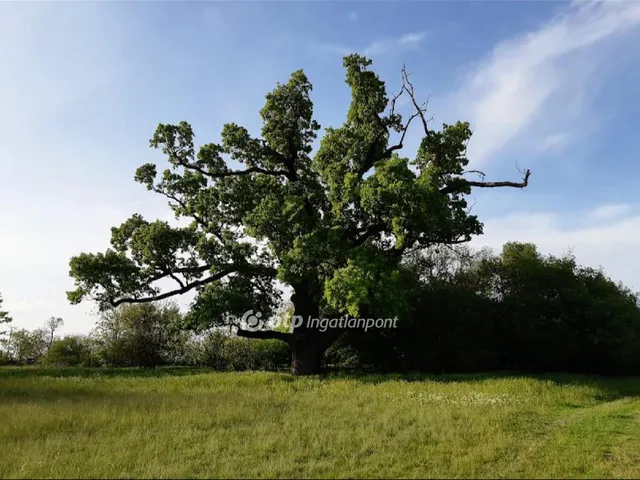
<point x="333" y="224"/>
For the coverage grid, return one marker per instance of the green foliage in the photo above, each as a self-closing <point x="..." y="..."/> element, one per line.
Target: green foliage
<point x="223" y="352"/>
<point x="139" y="334"/>
<point x="27" y="347"/>
<point x="4" y="316"/>
<point x="70" y="351"/>
<point x="53" y="324"/>
<point x="217" y="300"/>
<point x="5" y="356"/>
<point x="561" y="314"/>
<point x="518" y="310"/>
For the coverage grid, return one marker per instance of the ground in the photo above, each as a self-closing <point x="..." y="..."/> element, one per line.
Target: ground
<point x="84" y="423"/>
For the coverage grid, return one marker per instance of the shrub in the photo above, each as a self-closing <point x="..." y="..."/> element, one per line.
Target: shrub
<point x="225" y="352"/>
<point x="70" y="351"/>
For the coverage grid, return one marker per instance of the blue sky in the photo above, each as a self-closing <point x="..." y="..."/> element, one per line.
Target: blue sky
<point x="550" y="86"/>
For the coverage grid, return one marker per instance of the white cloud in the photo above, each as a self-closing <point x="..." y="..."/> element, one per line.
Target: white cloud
<point x="606" y="212"/>
<point x="609" y="242"/>
<point x="555" y="141"/>
<point x="542" y="74"/>
<point x="354" y="16"/>
<point x="409" y="40"/>
<point x="332" y="48"/>
<point x="412" y="38"/>
<point x="377" y="47"/>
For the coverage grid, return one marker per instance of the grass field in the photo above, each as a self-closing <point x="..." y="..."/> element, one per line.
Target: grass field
<point x="79" y="423"/>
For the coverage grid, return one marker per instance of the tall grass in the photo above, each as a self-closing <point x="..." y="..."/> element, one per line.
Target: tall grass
<point x="83" y="423"/>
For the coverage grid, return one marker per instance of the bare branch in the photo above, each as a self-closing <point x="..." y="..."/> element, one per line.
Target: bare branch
<point x="407" y="87"/>
<point x="421" y="109"/>
<point x="395" y="98"/>
<point x="476" y="171"/>
<point x="460" y="183"/>
<point x="370" y="160"/>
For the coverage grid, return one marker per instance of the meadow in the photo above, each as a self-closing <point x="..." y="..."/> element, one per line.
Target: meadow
<point x="180" y="422"/>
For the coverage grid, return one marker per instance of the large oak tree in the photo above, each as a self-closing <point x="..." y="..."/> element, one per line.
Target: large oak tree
<point x="334" y="225"/>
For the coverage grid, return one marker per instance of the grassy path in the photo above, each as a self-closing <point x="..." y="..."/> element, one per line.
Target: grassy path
<point x="190" y="423"/>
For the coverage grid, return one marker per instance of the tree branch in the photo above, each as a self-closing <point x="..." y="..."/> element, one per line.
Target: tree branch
<point x="479" y="172"/>
<point x="266" y="335"/>
<point x="369" y="232"/>
<point x="179" y="291"/>
<point x="460" y="183"/>
<point x="248" y="171"/>
<point x="246" y="269"/>
<point x="178" y="281"/>
<point x="407" y="87"/>
<point x="228" y="173"/>
<point x="165" y="273"/>
<point x="420" y="109"/>
<point x="182" y="204"/>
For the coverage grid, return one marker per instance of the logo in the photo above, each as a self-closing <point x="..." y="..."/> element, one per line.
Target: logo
<point x="253" y="321"/>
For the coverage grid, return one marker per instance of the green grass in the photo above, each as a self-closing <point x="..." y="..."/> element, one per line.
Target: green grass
<point x="77" y="423"/>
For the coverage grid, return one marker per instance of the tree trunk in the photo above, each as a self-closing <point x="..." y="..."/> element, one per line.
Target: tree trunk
<point x="306" y="358"/>
<point x="307" y="344"/>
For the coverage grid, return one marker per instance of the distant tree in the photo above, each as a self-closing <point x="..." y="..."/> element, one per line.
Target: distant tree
<point x="28" y="347"/>
<point x="51" y="326"/>
<point x="333" y="226"/>
<point x="139" y="335"/>
<point x="4" y="316"/>
<point x="72" y="350"/>
<point x="516" y="310"/>
<point x="554" y="314"/>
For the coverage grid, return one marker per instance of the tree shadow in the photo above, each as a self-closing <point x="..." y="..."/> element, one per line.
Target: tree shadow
<point x="27" y="390"/>
<point x="614" y="387"/>
<point x="92" y="372"/>
<point x="37" y="394"/>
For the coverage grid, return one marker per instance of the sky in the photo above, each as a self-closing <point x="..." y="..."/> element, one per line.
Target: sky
<point x="550" y="86"/>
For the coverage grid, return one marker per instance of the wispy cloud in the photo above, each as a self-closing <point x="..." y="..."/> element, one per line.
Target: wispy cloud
<point x="354" y="16"/>
<point x="332" y="48"/>
<point x="534" y="73"/>
<point x="555" y="141"/>
<point x="409" y="40"/>
<point x="607" y="212"/>
<point x="377" y="47"/>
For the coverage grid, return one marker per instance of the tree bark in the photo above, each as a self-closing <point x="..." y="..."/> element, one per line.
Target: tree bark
<point x="306" y="358"/>
<point x="308" y="344"/>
